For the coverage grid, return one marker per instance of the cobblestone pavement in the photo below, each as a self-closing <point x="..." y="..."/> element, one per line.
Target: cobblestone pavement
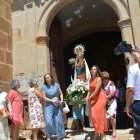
<point x="126" y="134"/>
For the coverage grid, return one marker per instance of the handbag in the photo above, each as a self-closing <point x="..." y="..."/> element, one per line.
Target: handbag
<point x="5" y="113"/>
<point x="116" y="93"/>
<point x="65" y="108"/>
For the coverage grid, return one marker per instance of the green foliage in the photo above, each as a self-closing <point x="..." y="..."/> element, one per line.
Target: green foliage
<point x="75" y="97"/>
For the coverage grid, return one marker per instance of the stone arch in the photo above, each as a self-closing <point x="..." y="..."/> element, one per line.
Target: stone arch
<point x="119" y="8"/>
<point x="48" y="14"/>
<point x="52" y="8"/>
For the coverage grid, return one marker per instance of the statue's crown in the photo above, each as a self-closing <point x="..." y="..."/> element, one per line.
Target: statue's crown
<point x="79" y="49"/>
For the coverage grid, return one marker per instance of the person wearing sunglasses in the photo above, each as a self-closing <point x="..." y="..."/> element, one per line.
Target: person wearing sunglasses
<point x="109" y="88"/>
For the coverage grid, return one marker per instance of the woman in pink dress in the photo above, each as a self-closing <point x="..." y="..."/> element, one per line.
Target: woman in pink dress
<point x="16" y="109"/>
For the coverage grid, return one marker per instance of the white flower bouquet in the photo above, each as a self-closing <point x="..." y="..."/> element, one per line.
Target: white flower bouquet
<point x="72" y="61"/>
<point x="76" y="92"/>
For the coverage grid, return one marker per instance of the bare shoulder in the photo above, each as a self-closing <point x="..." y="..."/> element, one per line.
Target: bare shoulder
<point x="99" y="79"/>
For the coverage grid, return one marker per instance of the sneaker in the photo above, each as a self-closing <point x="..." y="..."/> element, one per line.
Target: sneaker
<point x="84" y="129"/>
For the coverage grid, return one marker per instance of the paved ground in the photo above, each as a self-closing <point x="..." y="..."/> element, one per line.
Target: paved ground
<point x="126" y="134"/>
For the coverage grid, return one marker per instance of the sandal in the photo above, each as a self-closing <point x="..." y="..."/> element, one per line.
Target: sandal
<point x="95" y="136"/>
<point x="103" y="137"/>
<point x="114" y="135"/>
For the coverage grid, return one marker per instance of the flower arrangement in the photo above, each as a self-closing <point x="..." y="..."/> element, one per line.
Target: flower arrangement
<point x="76" y="92"/>
<point x="72" y="61"/>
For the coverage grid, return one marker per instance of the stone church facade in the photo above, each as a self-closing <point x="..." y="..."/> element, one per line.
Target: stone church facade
<point x="32" y="38"/>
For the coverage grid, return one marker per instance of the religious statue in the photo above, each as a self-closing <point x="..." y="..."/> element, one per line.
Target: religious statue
<point x="81" y="70"/>
<point x="77" y="91"/>
<point x="79" y="87"/>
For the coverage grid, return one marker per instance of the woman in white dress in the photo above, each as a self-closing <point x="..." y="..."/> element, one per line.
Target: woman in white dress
<point x="110" y="88"/>
<point x="4" y="128"/>
<point x="36" y="118"/>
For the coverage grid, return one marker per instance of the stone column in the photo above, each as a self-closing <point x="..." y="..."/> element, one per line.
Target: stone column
<point x="134" y="9"/>
<point x="43" y="55"/>
<point x="127" y="35"/>
<point x="6" y="61"/>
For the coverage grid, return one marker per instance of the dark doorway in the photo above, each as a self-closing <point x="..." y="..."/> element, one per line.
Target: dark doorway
<point x="99" y="51"/>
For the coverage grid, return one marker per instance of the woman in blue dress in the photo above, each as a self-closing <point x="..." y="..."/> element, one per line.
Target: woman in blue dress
<point x="53" y="96"/>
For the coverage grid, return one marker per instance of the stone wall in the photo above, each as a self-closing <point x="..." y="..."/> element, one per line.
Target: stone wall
<point x="29" y="59"/>
<point x="134" y="8"/>
<point x="6" y="58"/>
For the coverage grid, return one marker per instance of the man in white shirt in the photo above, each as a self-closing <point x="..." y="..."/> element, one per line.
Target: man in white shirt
<point x="133" y="90"/>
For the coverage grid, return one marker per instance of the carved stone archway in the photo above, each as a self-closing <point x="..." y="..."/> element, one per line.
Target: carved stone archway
<point x="53" y="7"/>
<point x="124" y="23"/>
<point x="49" y="12"/>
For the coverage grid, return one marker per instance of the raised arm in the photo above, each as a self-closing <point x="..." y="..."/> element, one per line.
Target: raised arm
<point x="38" y="93"/>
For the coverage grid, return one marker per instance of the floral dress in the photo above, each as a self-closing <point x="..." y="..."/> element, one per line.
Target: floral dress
<point x="53" y="113"/>
<point x="112" y="103"/>
<point x="36" y="118"/>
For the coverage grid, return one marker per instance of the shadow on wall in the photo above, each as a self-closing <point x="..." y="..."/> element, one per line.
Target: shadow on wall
<point x="19" y="5"/>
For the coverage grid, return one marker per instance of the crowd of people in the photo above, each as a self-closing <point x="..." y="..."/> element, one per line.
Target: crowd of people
<point x="107" y="100"/>
<point x="49" y="97"/>
<point x="104" y="96"/>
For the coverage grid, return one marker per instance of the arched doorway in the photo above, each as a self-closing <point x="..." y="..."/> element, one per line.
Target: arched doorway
<point x="80" y="21"/>
<point x="99" y="51"/>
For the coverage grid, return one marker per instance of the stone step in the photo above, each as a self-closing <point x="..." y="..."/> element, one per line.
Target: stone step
<point x="125" y="134"/>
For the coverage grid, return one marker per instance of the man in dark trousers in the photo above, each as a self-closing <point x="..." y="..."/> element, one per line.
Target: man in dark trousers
<point x="132" y="107"/>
